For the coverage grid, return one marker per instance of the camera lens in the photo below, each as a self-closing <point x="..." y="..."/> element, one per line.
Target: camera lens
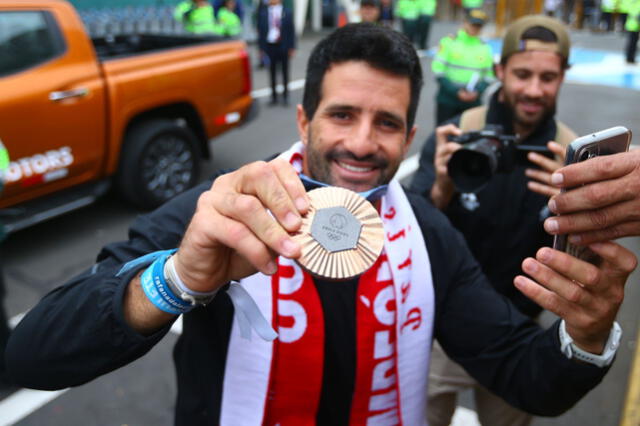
<point x="470" y="170"/>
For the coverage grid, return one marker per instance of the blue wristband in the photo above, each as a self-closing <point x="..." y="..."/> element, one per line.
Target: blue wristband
<point x="157" y="291"/>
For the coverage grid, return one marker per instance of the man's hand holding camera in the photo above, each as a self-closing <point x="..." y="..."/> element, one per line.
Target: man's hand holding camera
<point x="541" y="178"/>
<point x="443" y="189"/>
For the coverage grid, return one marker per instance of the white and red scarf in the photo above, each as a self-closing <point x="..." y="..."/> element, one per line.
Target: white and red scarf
<point x="279" y="382"/>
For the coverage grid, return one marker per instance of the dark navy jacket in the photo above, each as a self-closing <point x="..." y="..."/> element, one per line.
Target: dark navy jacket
<point x="80" y="332"/>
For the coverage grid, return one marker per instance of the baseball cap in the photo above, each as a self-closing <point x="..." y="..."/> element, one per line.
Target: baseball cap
<point x="368" y="3"/>
<point x="476" y="16"/>
<point x="513" y="42"/>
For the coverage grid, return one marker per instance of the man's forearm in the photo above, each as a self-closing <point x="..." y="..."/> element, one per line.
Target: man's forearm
<point x="140" y="313"/>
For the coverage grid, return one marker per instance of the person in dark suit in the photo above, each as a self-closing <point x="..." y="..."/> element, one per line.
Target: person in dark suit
<point x="277" y="39"/>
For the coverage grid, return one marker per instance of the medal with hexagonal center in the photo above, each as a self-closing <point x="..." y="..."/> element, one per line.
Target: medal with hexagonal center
<point x="336" y="229"/>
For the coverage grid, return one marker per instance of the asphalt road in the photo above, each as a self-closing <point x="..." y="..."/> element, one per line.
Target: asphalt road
<point x="42" y="257"/>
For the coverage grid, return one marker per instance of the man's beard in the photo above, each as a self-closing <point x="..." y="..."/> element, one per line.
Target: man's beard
<point x="548" y="112"/>
<point x="319" y="164"/>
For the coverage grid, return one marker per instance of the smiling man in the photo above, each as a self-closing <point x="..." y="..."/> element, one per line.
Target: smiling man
<point x="347" y="352"/>
<point x="503" y="221"/>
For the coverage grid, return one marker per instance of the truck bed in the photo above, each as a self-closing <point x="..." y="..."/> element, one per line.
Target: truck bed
<point x="127" y="45"/>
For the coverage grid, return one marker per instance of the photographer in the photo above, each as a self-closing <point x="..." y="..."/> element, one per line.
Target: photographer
<point x="502" y="222"/>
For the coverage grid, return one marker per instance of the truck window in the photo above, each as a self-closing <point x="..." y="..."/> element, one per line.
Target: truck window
<point x="27" y="39"/>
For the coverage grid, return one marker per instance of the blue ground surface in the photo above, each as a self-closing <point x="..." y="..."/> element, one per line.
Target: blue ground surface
<point x="592" y="66"/>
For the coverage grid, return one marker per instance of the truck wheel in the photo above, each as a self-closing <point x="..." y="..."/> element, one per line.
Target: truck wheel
<point x="159" y="160"/>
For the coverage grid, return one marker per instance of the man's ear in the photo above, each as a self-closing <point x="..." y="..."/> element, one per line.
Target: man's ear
<point x="303" y="124"/>
<point x="499" y="71"/>
<point x="409" y="140"/>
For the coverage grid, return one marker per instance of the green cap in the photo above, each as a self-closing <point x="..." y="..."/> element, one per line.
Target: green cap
<point x="513" y="43"/>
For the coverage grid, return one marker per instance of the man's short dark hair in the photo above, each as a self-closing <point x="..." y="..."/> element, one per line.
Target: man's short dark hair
<point x="381" y="48"/>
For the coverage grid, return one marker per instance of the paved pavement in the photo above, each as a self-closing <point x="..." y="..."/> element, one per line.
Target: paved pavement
<point x="40" y="258"/>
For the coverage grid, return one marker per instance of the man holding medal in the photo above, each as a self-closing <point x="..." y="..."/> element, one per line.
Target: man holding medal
<point x="347" y="352"/>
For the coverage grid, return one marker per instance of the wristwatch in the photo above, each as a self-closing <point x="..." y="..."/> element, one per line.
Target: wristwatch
<point x="605" y="359"/>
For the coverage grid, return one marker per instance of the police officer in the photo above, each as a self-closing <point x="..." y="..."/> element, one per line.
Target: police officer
<point x="472" y="4"/>
<point x="409" y="13"/>
<point x="632" y="26"/>
<point x="197" y="17"/>
<point x="427" y="10"/>
<point x="229" y="20"/>
<point x="463" y="68"/>
<point x="4" y="325"/>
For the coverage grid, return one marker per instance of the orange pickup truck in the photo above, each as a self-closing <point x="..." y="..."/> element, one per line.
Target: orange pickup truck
<point x="79" y="115"/>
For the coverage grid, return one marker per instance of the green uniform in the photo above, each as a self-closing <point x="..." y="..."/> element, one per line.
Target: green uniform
<point x="468" y="4"/>
<point x="197" y="20"/>
<point x="230" y="22"/>
<point x="427" y="10"/>
<point x="608" y="6"/>
<point x="462" y="60"/>
<point x="409" y="13"/>
<point x="624" y="6"/>
<point x="633" y="30"/>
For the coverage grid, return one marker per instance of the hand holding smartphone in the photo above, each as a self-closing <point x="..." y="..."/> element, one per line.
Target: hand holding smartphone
<point x="604" y="142"/>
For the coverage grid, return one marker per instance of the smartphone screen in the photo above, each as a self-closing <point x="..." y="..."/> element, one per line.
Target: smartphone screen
<point x="604" y="142"/>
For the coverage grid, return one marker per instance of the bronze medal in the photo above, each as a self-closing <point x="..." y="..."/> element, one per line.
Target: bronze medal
<point x="341" y="235"/>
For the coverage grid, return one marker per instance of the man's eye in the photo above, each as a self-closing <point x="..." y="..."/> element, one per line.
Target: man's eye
<point x="340" y="115"/>
<point x="389" y="124"/>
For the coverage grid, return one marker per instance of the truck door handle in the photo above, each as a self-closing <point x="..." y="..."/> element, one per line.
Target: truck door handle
<point x="66" y="94"/>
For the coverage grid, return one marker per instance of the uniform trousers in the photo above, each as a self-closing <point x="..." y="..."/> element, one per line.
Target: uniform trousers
<point x="632" y="46"/>
<point x="447" y="379"/>
<point x="278" y="56"/>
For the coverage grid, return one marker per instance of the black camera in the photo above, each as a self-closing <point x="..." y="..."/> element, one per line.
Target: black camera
<point x="485" y="153"/>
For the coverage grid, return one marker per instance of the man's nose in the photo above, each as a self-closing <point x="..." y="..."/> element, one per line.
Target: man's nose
<point x="534" y="88"/>
<point x="361" y="141"/>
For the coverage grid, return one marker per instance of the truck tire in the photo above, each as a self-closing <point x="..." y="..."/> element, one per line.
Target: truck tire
<point x="159" y="160"/>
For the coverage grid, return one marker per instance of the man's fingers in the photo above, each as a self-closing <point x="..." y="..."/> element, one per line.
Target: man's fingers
<point x="606" y="234"/>
<point x="443" y="133"/>
<point x="239" y="237"/>
<point x="545" y="298"/>
<point x="262" y="180"/>
<point x="597" y="219"/>
<point x="619" y="260"/>
<point x="545" y="163"/>
<point x="555" y="268"/>
<point x="595" y="195"/>
<point x="597" y="169"/>
<point x="248" y="211"/>
<point x="293" y="184"/>
<point x="559" y="151"/>
<point x="546" y="190"/>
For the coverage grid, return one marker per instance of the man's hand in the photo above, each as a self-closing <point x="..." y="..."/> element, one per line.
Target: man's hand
<point x="241" y="225"/>
<point x="466" y="96"/>
<point x="547" y="167"/>
<point x="442" y="189"/>
<point x="604" y="203"/>
<point x="585" y="296"/>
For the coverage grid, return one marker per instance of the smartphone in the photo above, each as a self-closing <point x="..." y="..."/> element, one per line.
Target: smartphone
<point x="604" y="142"/>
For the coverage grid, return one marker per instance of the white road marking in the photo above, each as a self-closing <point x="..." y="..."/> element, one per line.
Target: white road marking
<point x="20" y="404"/>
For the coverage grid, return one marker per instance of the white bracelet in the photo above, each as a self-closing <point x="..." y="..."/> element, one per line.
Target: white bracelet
<point x="196" y="298"/>
<point x="605" y="359"/>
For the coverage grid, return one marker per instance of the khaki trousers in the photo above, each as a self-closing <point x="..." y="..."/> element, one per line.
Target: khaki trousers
<point x="446" y="379"/>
